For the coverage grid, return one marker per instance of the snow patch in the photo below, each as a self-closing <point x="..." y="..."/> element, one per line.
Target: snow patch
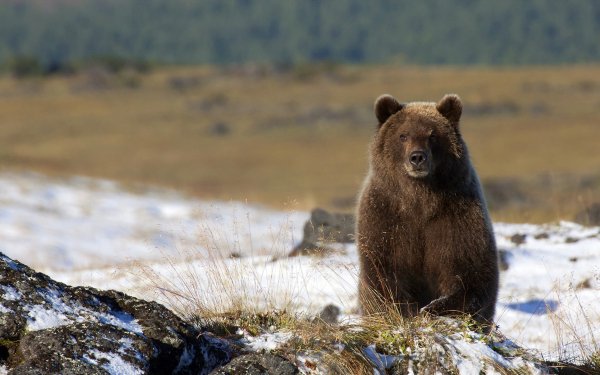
<point x="122" y="320"/>
<point x="264" y="342"/>
<point x="10" y="293"/>
<point x="13" y="266"/>
<point x="113" y="363"/>
<point x="83" y="223"/>
<point x="55" y="312"/>
<point x="382" y="362"/>
<point x="44" y="318"/>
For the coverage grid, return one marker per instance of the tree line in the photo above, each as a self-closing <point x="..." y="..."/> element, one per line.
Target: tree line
<point x="462" y="32"/>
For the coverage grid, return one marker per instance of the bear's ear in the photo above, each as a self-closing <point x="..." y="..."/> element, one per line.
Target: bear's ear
<point x="385" y="106"/>
<point x="450" y="107"/>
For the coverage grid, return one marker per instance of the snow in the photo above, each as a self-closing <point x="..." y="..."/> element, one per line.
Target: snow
<point x="265" y="342"/>
<point x="87" y="223"/>
<point x="56" y="313"/>
<point x="163" y="246"/>
<point x="43" y="318"/>
<point x="381" y="361"/>
<point x="122" y="320"/>
<point x="466" y="351"/>
<point x="10" y="293"/>
<point x="542" y="303"/>
<point x="113" y="363"/>
<point x="52" y="311"/>
<point x="476" y="357"/>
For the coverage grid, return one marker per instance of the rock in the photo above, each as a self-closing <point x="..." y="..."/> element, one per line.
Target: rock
<point x="258" y="364"/>
<point x="503" y="259"/>
<point x="83" y="348"/>
<point x="329" y="314"/>
<point x="49" y="327"/>
<point x="324" y="227"/>
<point x="590" y="216"/>
<point x="518" y="238"/>
<point x="584" y="284"/>
<point x="562" y="368"/>
<point x="542" y="236"/>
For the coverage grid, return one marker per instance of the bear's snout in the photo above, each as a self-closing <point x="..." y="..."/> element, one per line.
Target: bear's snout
<point x="418" y="159"/>
<point x="418" y="164"/>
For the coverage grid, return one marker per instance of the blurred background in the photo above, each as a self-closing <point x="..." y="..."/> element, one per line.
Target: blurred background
<point x="271" y="101"/>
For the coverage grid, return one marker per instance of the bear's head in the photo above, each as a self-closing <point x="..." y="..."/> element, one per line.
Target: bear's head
<point x="418" y="138"/>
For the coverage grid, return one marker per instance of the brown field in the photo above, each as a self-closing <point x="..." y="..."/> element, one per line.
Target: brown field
<point x="300" y="137"/>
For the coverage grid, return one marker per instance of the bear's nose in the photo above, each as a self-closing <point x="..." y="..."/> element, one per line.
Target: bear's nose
<point x="418" y="158"/>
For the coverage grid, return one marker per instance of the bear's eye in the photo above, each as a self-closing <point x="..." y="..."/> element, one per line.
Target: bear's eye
<point x="403" y="137"/>
<point x="432" y="138"/>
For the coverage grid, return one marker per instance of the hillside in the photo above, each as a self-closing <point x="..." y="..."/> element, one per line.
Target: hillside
<point x="298" y="138"/>
<point x="184" y="31"/>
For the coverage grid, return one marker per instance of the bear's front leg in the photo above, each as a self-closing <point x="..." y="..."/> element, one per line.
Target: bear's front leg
<point x="457" y="304"/>
<point x="441" y="306"/>
<point x="454" y="301"/>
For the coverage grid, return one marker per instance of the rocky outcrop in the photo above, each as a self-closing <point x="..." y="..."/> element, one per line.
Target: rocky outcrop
<point x="47" y="327"/>
<point x="322" y="228"/>
<point x="258" y="364"/>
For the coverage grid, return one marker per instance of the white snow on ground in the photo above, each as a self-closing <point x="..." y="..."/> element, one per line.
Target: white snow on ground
<point x="113" y="363"/>
<point x="472" y="356"/>
<point x="90" y="232"/>
<point x="42" y="318"/>
<point x="89" y="223"/>
<point x="54" y="312"/>
<point x="9" y="293"/>
<point x="267" y="341"/>
<point x="550" y="295"/>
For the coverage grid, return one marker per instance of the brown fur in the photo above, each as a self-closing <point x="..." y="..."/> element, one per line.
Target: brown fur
<point x="424" y="235"/>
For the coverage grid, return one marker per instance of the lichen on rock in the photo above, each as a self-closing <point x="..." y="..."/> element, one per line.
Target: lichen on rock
<point x="49" y="327"/>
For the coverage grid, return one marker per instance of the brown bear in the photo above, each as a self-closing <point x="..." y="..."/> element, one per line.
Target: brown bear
<point x="424" y="236"/>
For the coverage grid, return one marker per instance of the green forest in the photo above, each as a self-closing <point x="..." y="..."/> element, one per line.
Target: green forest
<point x="461" y="32"/>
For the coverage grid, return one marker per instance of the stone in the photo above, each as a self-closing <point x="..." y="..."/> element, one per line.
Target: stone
<point x="49" y="327"/>
<point x="322" y="228"/>
<point x="258" y="364"/>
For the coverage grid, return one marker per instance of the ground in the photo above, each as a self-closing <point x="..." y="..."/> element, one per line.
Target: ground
<point x="269" y="136"/>
<point x="192" y="254"/>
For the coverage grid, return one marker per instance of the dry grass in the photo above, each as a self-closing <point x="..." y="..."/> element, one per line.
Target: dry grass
<point x="388" y="342"/>
<point x="576" y="334"/>
<point x="225" y="298"/>
<point x="301" y="136"/>
<point x="229" y="298"/>
<point x="219" y="277"/>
